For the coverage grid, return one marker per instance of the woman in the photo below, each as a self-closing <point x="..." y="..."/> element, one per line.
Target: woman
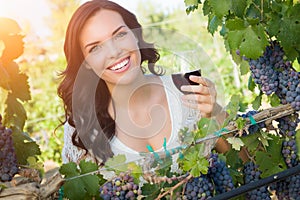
<point x="111" y="106"/>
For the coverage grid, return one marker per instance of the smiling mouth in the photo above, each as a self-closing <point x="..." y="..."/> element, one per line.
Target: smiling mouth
<point x="120" y="66"/>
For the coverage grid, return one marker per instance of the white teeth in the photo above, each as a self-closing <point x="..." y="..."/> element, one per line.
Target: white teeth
<point x="120" y="65"/>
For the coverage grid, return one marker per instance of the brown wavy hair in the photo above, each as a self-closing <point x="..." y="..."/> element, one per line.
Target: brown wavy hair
<point x="75" y="58"/>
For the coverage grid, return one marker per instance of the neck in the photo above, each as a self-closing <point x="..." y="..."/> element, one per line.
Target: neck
<point x="138" y="91"/>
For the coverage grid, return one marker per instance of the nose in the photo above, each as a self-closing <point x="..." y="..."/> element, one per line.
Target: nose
<point x="113" y="50"/>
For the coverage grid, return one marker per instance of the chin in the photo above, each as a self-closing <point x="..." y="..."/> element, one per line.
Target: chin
<point x="125" y="79"/>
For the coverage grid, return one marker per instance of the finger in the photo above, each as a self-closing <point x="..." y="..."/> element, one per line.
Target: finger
<point x="201" y="89"/>
<point x="205" y="109"/>
<point x="197" y="99"/>
<point x="201" y="80"/>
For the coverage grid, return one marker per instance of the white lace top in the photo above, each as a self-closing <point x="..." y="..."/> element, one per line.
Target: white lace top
<point x="178" y="113"/>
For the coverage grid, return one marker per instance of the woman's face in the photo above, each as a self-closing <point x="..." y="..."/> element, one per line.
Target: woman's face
<point x="110" y="48"/>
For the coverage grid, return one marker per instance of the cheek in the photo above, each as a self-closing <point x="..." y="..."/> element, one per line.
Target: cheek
<point x="96" y="63"/>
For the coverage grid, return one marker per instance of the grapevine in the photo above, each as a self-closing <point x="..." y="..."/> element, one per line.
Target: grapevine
<point x="263" y="38"/>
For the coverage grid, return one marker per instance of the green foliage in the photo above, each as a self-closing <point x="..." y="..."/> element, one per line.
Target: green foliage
<point x="271" y="161"/>
<point x="257" y="102"/>
<point x="247" y="25"/>
<point x="83" y="187"/>
<point x="232" y="108"/>
<point x="118" y="164"/>
<point x="194" y="161"/>
<point x="17" y="91"/>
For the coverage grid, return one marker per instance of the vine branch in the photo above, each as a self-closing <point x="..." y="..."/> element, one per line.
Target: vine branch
<point x="174" y="187"/>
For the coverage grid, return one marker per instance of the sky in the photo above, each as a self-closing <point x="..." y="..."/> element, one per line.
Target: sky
<point x="32" y="12"/>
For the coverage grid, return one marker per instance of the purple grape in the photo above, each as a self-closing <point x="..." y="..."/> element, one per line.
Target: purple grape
<point x="220" y="175"/>
<point x="121" y="187"/>
<point x="8" y="158"/>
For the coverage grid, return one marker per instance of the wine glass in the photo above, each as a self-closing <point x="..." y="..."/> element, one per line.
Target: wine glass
<point x="179" y="80"/>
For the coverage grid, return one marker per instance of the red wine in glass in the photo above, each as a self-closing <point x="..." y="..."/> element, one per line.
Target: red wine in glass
<point x="181" y="79"/>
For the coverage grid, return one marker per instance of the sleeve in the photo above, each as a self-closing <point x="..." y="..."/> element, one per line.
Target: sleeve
<point x="70" y="152"/>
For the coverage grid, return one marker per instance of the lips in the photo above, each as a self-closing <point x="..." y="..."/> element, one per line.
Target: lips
<point x="120" y="66"/>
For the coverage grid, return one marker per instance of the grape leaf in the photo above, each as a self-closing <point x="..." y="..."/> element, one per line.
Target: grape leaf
<point x="234" y="39"/>
<point x="254" y="42"/>
<point x="86" y="167"/>
<point x="251" y="142"/>
<point x="91" y="182"/>
<point x="213" y="23"/>
<point x="24" y="146"/>
<point x="191" y="2"/>
<point x="117" y="163"/>
<point x="233" y="159"/>
<point x="251" y="41"/>
<point x="232" y="108"/>
<point x="34" y="164"/>
<point x="80" y="187"/>
<point x="151" y="191"/>
<point x="18" y="82"/>
<point x="271" y="161"/>
<point x="273" y="25"/>
<point x="194" y="162"/>
<point x="263" y="138"/>
<point x="240" y="123"/>
<point x="135" y="170"/>
<point x="69" y="170"/>
<point x="206" y="8"/>
<point x="257" y="102"/>
<point x="235" y="142"/>
<point x="251" y="84"/>
<point x="289" y="34"/>
<point x="274" y="100"/>
<point x="205" y="126"/>
<point x="235" y="24"/>
<point x="238" y="7"/>
<point x="14" y="113"/>
<point x="244" y="67"/>
<point x="220" y="7"/>
<point x="191" y="5"/>
<point x="252" y="11"/>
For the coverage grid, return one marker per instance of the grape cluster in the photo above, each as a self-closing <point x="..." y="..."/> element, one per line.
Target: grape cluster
<point x="287" y="128"/>
<point x="220" y="175"/>
<point x="199" y="188"/>
<point x="252" y="173"/>
<point x="289" y="88"/>
<point x="121" y="187"/>
<point x="288" y="188"/>
<point x="255" y="127"/>
<point x="275" y="75"/>
<point x="8" y="159"/>
<point x="265" y="70"/>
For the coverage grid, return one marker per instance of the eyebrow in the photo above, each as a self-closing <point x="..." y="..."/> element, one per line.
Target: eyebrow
<point x="113" y="33"/>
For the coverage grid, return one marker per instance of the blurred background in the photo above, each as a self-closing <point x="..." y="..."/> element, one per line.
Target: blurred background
<point x="44" y="22"/>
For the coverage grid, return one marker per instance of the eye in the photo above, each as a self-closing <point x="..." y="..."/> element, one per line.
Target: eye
<point x="121" y="35"/>
<point x="95" y="48"/>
